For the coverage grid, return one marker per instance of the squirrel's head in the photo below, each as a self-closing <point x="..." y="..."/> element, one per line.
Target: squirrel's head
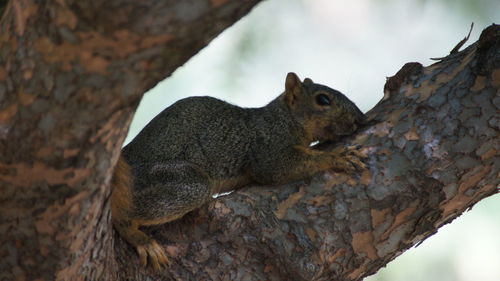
<point x="324" y="113"/>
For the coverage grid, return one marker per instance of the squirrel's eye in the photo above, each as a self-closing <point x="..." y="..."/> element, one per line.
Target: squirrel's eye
<point x="323" y="99"/>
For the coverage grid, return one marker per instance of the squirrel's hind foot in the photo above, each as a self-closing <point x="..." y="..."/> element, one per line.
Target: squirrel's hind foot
<point x="154" y="254"/>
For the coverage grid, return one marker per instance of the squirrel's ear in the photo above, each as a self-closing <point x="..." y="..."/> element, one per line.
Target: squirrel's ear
<point x="293" y="88"/>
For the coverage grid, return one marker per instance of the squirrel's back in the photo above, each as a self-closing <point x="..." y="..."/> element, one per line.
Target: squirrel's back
<point x="199" y="129"/>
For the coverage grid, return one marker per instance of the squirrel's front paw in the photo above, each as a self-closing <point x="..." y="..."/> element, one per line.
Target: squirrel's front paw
<point x="153" y="252"/>
<point x="348" y="159"/>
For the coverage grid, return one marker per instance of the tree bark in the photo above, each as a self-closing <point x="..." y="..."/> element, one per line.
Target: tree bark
<point x="71" y="75"/>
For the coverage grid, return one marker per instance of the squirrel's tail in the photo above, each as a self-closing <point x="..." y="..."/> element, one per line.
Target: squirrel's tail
<point x="121" y="196"/>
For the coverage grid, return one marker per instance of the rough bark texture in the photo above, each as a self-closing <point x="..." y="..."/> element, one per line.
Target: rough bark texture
<point x="71" y="74"/>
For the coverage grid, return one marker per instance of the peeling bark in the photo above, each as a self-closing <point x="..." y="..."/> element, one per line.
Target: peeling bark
<point x="71" y="75"/>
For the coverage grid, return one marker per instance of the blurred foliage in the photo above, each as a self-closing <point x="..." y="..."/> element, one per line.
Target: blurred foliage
<point x="248" y="43"/>
<point x="471" y="8"/>
<point x="255" y="38"/>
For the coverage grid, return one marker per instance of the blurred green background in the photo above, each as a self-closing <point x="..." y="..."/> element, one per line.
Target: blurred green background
<point x="351" y="46"/>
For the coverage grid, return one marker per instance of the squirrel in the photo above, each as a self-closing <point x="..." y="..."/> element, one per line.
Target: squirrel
<point x="201" y="146"/>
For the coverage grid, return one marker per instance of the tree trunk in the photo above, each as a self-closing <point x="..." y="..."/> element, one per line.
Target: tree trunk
<point x="71" y="74"/>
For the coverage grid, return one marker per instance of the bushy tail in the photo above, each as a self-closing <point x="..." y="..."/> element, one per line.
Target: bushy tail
<point x="121" y="196"/>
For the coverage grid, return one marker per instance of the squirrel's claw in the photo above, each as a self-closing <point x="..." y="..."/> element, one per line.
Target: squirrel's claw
<point x="355" y="156"/>
<point x="355" y="150"/>
<point x="349" y="159"/>
<point x="154" y="253"/>
<point x="356" y="162"/>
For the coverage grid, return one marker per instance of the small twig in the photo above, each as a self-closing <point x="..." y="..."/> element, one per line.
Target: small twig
<point x="459" y="45"/>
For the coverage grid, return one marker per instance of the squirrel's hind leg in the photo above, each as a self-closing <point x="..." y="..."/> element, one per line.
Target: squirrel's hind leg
<point x="170" y="191"/>
<point x="166" y="193"/>
<point x="122" y="205"/>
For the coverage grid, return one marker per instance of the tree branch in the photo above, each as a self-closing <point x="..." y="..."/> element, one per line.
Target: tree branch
<point x="433" y="153"/>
